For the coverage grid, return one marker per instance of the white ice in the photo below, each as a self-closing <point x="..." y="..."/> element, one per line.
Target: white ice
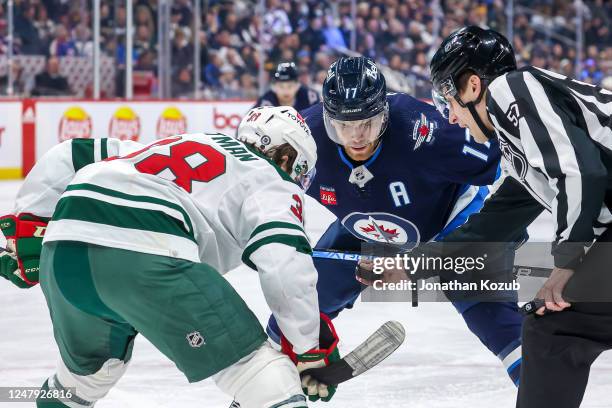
<point x="441" y="364"/>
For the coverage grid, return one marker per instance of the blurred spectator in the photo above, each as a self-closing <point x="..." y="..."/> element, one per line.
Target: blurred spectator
<point x="333" y="35"/>
<point x="591" y="72"/>
<point x="44" y="25"/>
<point x="50" y="82"/>
<point x="143" y="40"/>
<point x="182" y="86"/>
<point x="20" y="84"/>
<point x="313" y="37"/>
<point x="212" y="70"/>
<point x="250" y="58"/>
<point x="62" y="45"/>
<point x="83" y="42"/>
<point x="398" y="33"/>
<point x="120" y="19"/>
<point x="144" y="77"/>
<point x="4" y="45"/>
<point x="26" y="30"/>
<point x="144" y="17"/>
<point x="106" y="21"/>
<point x="229" y="84"/>
<point x="182" y="50"/>
<point x="248" y="86"/>
<point x="276" y="21"/>
<point x="182" y="9"/>
<point x="146" y="62"/>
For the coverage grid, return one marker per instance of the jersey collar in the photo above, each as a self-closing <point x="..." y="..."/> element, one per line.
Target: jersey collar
<point x="351" y="163"/>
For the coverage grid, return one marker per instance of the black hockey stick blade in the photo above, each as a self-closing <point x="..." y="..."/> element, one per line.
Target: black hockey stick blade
<point x="380" y="345"/>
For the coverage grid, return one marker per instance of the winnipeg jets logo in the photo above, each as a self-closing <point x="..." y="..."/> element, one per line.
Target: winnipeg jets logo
<point x="372" y="71"/>
<point x="423" y="131"/>
<point x="379" y="231"/>
<point x="383" y="228"/>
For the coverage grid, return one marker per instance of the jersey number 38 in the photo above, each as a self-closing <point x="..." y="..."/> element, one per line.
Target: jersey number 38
<point x="187" y="162"/>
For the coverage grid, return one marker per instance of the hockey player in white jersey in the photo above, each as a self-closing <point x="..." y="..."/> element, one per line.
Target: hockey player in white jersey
<point x="137" y="239"/>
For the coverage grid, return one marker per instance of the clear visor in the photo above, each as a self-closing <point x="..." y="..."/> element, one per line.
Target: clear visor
<point x="306" y="178"/>
<point x="446" y="89"/>
<point x="356" y="133"/>
<point x="441" y="103"/>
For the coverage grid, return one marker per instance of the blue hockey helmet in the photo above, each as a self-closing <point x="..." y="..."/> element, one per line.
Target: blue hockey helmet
<point x="285" y="71"/>
<point x="355" y="101"/>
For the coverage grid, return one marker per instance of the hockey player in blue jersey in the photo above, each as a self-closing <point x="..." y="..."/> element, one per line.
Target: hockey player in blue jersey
<point x="392" y="170"/>
<point x="287" y="91"/>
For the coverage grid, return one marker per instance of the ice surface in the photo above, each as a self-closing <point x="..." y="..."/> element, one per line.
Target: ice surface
<point x="441" y="364"/>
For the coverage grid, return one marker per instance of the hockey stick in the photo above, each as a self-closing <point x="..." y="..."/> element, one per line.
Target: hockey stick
<point x="531" y="271"/>
<point x="518" y="270"/>
<point x="380" y="345"/>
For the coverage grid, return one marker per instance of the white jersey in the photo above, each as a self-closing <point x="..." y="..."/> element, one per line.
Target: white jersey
<point x="200" y="197"/>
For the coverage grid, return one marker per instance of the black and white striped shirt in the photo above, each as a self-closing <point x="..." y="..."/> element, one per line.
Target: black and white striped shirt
<point x="556" y="137"/>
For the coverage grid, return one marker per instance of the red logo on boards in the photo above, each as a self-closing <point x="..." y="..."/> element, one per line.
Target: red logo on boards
<point x="223" y="121"/>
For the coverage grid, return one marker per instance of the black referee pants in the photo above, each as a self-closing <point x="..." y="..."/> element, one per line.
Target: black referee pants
<point x="559" y="348"/>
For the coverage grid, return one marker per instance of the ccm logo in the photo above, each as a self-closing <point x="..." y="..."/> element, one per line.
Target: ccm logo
<point x="222" y="121"/>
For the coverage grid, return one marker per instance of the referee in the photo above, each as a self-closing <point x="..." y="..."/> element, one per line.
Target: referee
<point x="555" y="134"/>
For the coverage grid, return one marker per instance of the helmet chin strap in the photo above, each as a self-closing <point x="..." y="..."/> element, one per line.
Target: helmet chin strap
<point x="489" y="134"/>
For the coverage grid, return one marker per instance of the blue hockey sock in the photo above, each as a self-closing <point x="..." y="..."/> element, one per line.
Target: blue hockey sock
<point x="273" y="330"/>
<point x="511" y="358"/>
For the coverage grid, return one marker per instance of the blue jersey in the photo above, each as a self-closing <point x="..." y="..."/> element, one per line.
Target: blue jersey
<point x="428" y="177"/>
<point x="424" y="173"/>
<point x="304" y="98"/>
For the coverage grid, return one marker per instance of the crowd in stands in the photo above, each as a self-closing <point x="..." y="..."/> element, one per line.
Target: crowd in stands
<point x="401" y="34"/>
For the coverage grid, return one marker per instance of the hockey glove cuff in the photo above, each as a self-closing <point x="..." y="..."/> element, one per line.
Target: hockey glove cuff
<point x="20" y="262"/>
<point x="326" y="354"/>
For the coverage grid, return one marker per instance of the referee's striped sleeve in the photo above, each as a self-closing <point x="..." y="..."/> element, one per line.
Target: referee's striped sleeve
<point x="564" y="152"/>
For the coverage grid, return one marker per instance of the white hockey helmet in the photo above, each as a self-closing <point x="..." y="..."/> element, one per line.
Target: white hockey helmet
<point x="268" y="127"/>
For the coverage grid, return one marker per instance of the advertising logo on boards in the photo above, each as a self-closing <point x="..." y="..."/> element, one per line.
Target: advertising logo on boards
<point x="224" y="121"/>
<point x="124" y="124"/>
<point x="75" y="123"/>
<point x="171" y="122"/>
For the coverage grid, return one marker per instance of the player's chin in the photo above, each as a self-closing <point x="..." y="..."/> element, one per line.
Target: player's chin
<point x="359" y="152"/>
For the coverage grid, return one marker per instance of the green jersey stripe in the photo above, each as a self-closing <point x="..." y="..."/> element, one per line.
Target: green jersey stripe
<point x="104" y="148"/>
<point x="275" y="224"/>
<point x="301" y="244"/>
<point x="100" y="212"/>
<point x="130" y="197"/>
<point x="82" y="153"/>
